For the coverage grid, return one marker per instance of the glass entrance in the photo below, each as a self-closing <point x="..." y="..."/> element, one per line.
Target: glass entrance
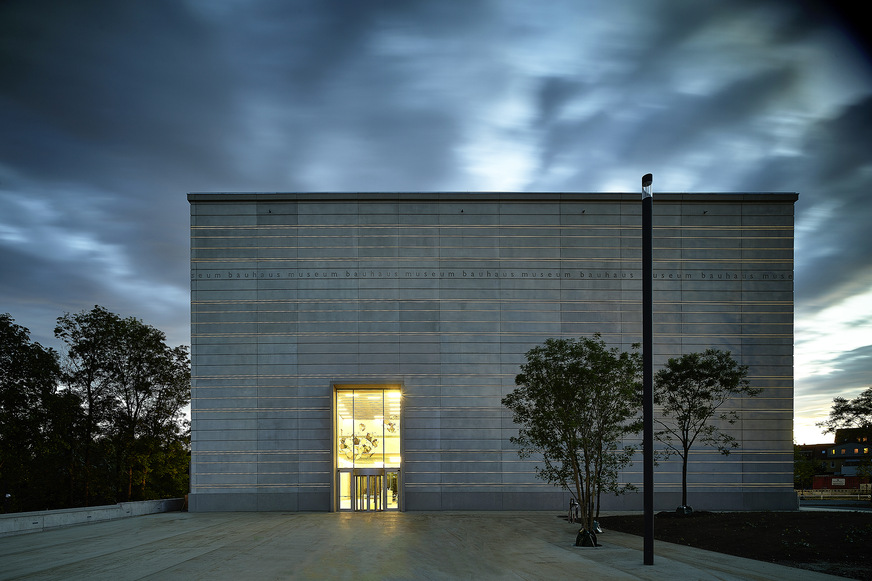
<point x="369" y="491"/>
<point x="367" y="441"/>
<point x="392" y="489"/>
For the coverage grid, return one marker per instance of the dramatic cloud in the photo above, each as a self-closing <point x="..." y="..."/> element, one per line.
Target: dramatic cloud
<point x="111" y="111"/>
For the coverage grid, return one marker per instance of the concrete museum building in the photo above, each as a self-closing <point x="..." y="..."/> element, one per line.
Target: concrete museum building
<point x="350" y="350"/>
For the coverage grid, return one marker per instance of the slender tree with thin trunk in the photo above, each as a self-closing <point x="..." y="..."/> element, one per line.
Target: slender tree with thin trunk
<point x="691" y="391"/>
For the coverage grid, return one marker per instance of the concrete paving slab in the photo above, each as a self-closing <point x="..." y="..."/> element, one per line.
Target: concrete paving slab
<point x="358" y="546"/>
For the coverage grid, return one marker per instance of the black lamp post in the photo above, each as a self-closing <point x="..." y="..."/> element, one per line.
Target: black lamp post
<point x="648" y="365"/>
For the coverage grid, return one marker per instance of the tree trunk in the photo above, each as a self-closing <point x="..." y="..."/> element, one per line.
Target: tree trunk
<point x="598" y="499"/>
<point x="684" y="479"/>
<point x="87" y="473"/>
<point x="582" y="501"/>
<point x="71" y="478"/>
<point x="89" y="426"/>
<point x="589" y="498"/>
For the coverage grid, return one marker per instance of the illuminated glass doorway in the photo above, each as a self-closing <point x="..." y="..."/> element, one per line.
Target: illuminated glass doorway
<point x="368" y="448"/>
<point x="369" y="490"/>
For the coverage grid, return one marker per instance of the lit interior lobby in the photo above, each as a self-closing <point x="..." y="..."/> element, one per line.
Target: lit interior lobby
<point x="368" y="450"/>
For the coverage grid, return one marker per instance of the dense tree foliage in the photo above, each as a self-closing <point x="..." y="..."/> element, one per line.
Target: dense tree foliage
<point x="575" y="401"/>
<point x="855" y="413"/>
<point x="804" y="469"/>
<point x="691" y="391"/>
<point x="101" y="424"/>
<point x="133" y="387"/>
<point x="33" y="420"/>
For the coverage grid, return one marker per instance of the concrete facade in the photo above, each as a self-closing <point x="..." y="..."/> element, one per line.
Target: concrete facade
<point x="441" y="294"/>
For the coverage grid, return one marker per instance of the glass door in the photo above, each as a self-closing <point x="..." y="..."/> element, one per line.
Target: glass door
<point x="345" y="490"/>
<point x="392" y="489"/>
<point x="369" y="492"/>
<point x="369" y="489"/>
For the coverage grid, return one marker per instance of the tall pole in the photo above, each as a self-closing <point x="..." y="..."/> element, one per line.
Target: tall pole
<point x="648" y="365"/>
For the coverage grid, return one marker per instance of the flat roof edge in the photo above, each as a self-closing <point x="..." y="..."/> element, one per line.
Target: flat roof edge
<point x="530" y="197"/>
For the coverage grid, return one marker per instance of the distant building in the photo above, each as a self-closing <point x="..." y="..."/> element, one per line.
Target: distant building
<point x="852" y="448"/>
<point x="841" y="459"/>
<point x="349" y="351"/>
<point x="816" y="453"/>
<point x="853" y="435"/>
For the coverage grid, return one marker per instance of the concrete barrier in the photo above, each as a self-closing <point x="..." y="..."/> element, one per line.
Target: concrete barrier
<point x="18" y="523"/>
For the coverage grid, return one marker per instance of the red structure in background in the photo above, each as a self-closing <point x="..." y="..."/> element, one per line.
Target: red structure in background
<point x="838" y="463"/>
<point x="838" y="482"/>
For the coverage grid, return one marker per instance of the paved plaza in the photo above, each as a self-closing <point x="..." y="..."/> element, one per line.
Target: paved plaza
<point x="358" y="546"/>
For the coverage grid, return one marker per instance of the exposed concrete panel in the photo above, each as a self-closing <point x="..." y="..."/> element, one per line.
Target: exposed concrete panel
<point x="33" y="522"/>
<point x="444" y="294"/>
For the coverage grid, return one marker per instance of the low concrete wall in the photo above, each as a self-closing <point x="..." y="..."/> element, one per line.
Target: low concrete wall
<point x="18" y="523"/>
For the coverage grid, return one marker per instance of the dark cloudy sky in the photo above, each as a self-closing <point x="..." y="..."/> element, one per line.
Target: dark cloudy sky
<point x="110" y="112"/>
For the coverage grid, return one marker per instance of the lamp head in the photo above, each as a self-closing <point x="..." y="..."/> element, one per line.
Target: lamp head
<point x="647" y="180"/>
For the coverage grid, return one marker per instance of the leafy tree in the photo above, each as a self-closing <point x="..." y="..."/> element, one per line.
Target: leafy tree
<point x="804" y="469"/>
<point x="855" y="413"/>
<point x="28" y="382"/>
<point x="59" y="463"/>
<point x="574" y="402"/>
<point x="133" y="388"/>
<point x="91" y="340"/>
<point x="691" y="390"/>
<point x="151" y="383"/>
